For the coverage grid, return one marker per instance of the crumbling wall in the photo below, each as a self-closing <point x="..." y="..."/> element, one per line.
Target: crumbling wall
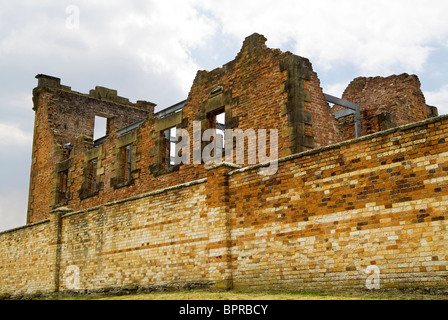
<point x="261" y="89"/>
<point x="385" y="103"/>
<point x="64" y="117"/>
<point x="337" y="218"/>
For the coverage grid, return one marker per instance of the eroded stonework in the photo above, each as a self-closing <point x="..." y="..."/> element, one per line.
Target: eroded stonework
<point x="116" y="213"/>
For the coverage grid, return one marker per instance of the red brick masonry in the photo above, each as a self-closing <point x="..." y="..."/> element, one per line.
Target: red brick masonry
<point x="333" y="208"/>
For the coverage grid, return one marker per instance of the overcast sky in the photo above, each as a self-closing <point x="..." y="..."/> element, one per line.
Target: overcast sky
<point x="151" y="50"/>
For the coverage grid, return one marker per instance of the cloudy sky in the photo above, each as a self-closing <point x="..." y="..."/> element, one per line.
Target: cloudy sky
<point x="151" y="50"/>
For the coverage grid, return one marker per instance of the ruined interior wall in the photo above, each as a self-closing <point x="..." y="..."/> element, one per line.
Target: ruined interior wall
<point x="324" y="129"/>
<point x="385" y="102"/>
<point x="329" y="214"/>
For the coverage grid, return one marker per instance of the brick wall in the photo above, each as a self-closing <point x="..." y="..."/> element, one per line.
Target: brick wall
<point x="262" y="88"/>
<point x="385" y="102"/>
<point x="327" y="215"/>
<point x="156" y="239"/>
<point x="27" y="260"/>
<point x="330" y="213"/>
<point x="126" y="219"/>
<point x="62" y="117"/>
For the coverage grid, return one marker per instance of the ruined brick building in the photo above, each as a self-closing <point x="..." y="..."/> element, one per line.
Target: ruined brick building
<point x="360" y="183"/>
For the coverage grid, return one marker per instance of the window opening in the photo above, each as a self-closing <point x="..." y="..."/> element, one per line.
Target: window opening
<point x="126" y="163"/>
<point x="100" y="128"/>
<point x="169" y="150"/>
<point x="218" y="122"/>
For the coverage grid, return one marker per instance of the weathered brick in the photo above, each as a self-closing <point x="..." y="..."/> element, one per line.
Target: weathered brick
<point x="332" y="209"/>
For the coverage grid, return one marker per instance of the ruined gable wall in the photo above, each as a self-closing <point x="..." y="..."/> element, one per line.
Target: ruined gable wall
<point x="66" y="117"/>
<point x="252" y="93"/>
<point x="265" y="88"/>
<point x="385" y="102"/>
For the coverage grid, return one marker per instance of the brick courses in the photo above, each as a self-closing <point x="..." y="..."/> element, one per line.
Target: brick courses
<point x="327" y="215"/>
<point x="335" y="206"/>
<point x="385" y="102"/>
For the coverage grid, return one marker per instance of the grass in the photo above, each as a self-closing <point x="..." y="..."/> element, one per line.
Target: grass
<point x="264" y="295"/>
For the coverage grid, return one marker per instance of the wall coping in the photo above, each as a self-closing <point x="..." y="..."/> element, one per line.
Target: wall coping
<point x="24" y="226"/>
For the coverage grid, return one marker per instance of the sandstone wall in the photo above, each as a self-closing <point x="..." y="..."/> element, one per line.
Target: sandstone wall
<point x="330" y="213"/>
<point x="27" y="259"/>
<point x="261" y="89"/>
<point x="319" y="223"/>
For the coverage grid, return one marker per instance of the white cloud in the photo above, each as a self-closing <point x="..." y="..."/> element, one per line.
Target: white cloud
<point x="378" y="36"/>
<point x="438" y="99"/>
<point x="13" y="207"/>
<point x="157" y="36"/>
<point x="336" y="89"/>
<point x="162" y="36"/>
<point x="12" y="136"/>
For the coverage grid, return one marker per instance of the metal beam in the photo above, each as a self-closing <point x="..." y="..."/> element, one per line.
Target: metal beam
<point x="169" y="110"/>
<point x="341" y="102"/>
<point x="343" y="113"/>
<point x="220" y="126"/>
<point x="130" y="127"/>
<point x="350" y="105"/>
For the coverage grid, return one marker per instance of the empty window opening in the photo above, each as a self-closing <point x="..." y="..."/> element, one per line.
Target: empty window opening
<point x="126" y="163"/>
<point x="169" y="147"/>
<point x="92" y="166"/>
<point x="101" y="127"/>
<point x="218" y="122"/>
